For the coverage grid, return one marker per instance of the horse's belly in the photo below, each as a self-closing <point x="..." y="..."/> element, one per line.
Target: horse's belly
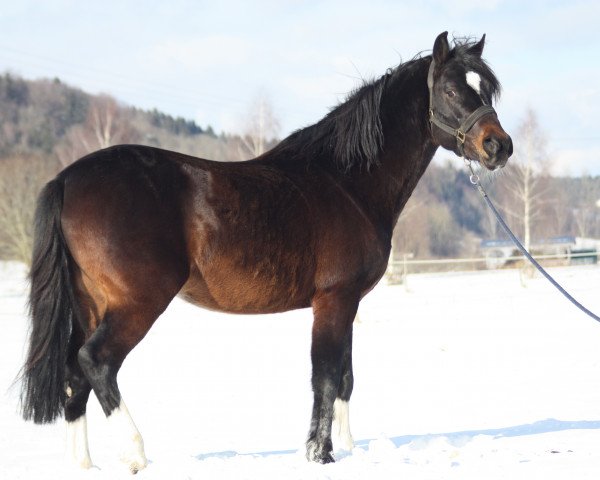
<point x="243" y="291"/>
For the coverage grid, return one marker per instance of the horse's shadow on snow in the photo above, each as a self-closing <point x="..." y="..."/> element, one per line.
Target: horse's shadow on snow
<point x="457" y="439"/>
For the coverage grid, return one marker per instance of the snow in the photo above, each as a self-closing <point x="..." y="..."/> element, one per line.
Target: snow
<point x="458" y="376"/>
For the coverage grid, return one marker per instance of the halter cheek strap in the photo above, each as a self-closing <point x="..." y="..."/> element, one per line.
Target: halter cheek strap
<point x="459" y="133"/>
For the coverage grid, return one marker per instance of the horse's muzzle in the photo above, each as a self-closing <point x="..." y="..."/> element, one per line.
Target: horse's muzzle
<point x="498" y="149"/>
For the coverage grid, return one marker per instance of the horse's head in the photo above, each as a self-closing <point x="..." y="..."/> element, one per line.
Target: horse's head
<point x="461" y="90"/>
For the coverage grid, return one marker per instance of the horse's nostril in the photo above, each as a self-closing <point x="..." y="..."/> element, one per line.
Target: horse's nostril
<point x="491" y="146"/>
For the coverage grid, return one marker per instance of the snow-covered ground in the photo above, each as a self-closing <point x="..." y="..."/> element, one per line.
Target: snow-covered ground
<point x="463" y="376"/>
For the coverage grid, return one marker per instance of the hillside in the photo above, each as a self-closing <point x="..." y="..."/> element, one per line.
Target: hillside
<point x="43" y="117"/>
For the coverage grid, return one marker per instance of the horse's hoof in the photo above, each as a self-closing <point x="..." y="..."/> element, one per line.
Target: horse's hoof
<point x="136" y="466"/>
<point x="318" y="455"/>
<point x="325" y="458"/>
<point x="76" y="466"/>
<point x="135" y="463"/>
<point x="133" y="456"/>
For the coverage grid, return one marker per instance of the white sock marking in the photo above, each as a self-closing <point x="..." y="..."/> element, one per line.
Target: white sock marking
<point x="474" y="81"/>
<point x="77" y="450"/>
<point x="132" y="452"/>
<point x="341" y="417"/>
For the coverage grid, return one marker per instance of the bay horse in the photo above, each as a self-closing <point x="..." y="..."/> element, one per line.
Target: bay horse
<point x="122" y="231"/>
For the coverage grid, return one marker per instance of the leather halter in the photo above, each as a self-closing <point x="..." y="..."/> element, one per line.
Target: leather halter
<point x="459" y="133"/>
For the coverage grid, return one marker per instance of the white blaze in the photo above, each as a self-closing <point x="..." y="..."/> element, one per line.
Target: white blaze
<point x="474" y="81"/>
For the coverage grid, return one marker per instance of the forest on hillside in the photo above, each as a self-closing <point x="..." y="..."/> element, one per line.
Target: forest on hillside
<point x="45" y="125"/>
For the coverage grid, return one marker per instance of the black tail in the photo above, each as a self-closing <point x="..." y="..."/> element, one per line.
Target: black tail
<point x="51" y="309"/>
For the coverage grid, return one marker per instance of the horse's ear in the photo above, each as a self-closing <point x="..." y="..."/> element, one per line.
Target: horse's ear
<point x="477" y="49"/>
<point x="441" y="49"/>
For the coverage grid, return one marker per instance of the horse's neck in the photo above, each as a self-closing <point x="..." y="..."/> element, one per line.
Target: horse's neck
<point x="407" y="152"/>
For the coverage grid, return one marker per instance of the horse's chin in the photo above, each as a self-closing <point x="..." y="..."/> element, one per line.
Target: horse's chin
<point x="490" y="167"/>
<point x="494" y="163"/>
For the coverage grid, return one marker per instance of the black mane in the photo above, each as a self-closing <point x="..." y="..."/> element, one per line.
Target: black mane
<point x="351" y="134"/>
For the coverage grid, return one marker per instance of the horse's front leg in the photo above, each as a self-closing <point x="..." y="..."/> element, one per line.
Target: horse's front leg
<point x="334" y="312"/>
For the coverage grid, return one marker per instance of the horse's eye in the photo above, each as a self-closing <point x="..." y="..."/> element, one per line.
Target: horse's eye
<point x="450" y="93"/>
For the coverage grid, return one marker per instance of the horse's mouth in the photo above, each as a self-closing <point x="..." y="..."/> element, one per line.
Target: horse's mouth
<point x="494" y="163"/>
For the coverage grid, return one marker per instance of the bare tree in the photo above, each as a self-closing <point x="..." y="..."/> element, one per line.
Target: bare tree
<point x="585" y="211"/>
<point x="21" y="178"/>
<point x="404" y="231"/>
<point x="558" y="212"/>
<point x="526" y="176"/>
<point x="106" y="124"/>
<point x="262" y="128"/>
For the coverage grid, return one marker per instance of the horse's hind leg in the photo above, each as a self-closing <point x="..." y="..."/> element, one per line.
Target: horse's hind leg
<point x="127" y="319"/>
<point x="78" y="391"/>
<point x="332" y="329"/>
<point x="101" y="358"/>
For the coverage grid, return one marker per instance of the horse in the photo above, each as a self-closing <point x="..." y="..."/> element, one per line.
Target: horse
<point x="122" y="231"/>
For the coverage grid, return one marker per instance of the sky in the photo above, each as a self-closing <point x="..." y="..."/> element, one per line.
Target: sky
<point x="210" y="61"/>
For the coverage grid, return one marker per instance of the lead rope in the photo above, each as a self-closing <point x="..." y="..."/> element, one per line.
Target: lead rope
<point x="474" y="178"/>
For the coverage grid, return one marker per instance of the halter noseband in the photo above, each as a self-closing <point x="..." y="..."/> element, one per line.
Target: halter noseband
<point x="459" y="133"/>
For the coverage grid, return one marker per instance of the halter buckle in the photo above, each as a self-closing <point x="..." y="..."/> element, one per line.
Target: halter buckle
<point x="461" y="136"/>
